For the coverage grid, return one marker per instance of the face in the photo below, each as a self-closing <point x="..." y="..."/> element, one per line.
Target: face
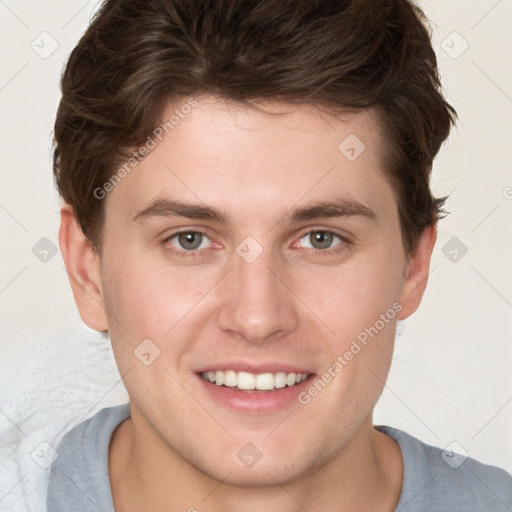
<point x="255" y="250"/>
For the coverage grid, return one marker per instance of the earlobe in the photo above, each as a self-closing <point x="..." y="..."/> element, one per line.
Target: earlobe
<point x="82" y="266"/>
<point x="417" y="272"/>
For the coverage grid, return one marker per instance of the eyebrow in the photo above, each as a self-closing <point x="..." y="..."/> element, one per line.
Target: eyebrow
<point x="339" y="207"/>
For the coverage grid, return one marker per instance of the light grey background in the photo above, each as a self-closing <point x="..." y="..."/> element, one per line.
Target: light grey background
<point x="450" y="382"/>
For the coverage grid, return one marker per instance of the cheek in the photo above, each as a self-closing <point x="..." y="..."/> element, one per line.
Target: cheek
<point x="352" y="297"/>
<point x="149" y="298"/>
<point x="359" y="302"/>
<point x="146" y="302"/>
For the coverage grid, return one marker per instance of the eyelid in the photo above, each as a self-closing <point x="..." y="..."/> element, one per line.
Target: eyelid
<point x="345" y="240"/>
<point x="197" y="232"/>
<point x="323" y="231"/>
<point x="179" y="231"/>
<point x="344" y="236"/>
<point x="176" y="251"/>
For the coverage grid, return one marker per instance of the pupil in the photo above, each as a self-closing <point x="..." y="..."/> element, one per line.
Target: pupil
<point x="190" y="240"/>
<point x="321" y="239"/>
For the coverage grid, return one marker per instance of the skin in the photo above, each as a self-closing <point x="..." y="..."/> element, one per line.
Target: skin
<point x="178" y="451"/>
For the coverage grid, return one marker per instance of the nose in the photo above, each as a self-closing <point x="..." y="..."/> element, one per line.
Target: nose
<point x="256" y="302"/>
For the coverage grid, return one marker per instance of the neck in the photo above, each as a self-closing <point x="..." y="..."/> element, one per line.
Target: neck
<point x="147" y="474"/>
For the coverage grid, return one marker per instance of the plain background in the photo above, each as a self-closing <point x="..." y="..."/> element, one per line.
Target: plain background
<point x="450" y="381"/>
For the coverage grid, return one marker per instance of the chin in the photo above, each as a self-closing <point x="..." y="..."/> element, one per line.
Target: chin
<point x="245" y="465"/>
<point x="261" y="475"/>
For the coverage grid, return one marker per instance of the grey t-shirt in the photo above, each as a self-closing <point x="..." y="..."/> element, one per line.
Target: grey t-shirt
<point x="434" y="481"/>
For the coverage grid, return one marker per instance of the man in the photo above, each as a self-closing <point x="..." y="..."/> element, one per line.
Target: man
<point x="247" y="214"/>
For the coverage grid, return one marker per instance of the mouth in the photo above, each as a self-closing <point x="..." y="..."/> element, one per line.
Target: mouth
<point x="253" y="383"/>
<point x="254" y="391"/>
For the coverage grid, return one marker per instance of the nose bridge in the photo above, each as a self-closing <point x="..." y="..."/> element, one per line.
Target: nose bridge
<point x="256" y="304"/>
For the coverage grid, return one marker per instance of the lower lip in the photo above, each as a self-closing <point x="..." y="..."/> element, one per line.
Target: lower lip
<point x="256" y="402"/>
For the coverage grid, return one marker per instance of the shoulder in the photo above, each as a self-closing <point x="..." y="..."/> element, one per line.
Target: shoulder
<point x="437" y="479"/>
<point x="80" y="473"/>
<point x="91" y="432"/>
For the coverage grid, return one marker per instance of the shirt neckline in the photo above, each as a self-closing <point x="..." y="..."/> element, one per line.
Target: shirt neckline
<point x="122" y="413"/>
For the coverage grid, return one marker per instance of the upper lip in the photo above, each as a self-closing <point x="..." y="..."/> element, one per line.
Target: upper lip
<point x="254" y="367"/>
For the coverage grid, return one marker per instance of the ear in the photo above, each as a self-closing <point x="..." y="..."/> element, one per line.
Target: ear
<point x="83" y="268"/>
<point x="417" y="271"/>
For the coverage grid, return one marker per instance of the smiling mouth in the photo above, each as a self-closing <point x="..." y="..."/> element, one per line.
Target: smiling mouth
<point x="250" y="382"/>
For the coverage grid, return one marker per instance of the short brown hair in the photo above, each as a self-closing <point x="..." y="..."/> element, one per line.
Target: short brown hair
<point x="137" y="55"/>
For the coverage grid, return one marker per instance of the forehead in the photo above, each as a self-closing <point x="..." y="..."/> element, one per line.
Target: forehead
<point x="255" y="160"/>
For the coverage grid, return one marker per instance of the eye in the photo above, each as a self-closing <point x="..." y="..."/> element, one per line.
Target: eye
<point x="320" y="239"/>
<point x="189" y="240"/>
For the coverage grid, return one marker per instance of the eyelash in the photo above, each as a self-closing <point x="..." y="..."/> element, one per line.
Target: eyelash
<point x="342" y="246"/>
<point x="185" y="254"/>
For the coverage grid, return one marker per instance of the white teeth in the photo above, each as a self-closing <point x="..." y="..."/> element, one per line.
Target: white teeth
<point x="219" y="378"/>
<point x="280" y="380"/>
<point x="265" y="381"/>
<point x="229" y="379"/>
<point x="249" y="381"/>
<point x="246" y="380"/>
